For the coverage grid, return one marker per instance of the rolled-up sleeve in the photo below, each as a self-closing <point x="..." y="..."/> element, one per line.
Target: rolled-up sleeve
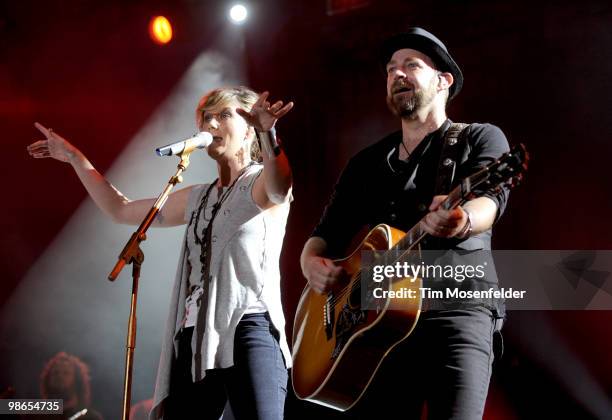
<point x="487" y="143"/>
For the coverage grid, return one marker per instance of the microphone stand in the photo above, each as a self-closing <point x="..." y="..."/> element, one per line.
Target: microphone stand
<point x="132" y="254"/>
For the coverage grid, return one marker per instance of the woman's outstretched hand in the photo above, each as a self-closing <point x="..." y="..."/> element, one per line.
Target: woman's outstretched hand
<point x="263" y="116"/>
<point x="53" y="146"/>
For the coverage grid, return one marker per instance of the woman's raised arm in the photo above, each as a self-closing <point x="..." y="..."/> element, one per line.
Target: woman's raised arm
<point x="108" y="198"/>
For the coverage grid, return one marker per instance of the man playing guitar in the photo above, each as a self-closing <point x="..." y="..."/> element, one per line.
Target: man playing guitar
<point x="446" y="361"/>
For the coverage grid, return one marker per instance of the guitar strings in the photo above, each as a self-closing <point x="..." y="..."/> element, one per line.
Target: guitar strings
<point x="356" y="282"/>
<point x="453" y="196"/>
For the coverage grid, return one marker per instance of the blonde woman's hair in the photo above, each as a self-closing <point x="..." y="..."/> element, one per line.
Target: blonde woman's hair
<point x="221" y="96"/>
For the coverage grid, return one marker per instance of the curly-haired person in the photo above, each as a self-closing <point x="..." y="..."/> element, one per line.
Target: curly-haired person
<point x="66" y="377"/>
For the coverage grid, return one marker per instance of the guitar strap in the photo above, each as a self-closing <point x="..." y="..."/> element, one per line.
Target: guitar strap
<point x="454" y="143"/>
<point x="450" y="156"/>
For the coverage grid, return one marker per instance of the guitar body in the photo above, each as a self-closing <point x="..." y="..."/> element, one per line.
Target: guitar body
<point x="333" y="363"/>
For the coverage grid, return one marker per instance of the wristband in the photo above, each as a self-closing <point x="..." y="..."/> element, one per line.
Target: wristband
<point x="466" y="230"/>
<point x="268" y="142"/>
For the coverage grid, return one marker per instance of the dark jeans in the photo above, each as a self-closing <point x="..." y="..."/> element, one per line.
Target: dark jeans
<point x="256" y="385"/>
<point x="446" y="363"/>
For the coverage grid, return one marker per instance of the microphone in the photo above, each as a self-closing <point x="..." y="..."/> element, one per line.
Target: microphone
<point x="200" y="141"/>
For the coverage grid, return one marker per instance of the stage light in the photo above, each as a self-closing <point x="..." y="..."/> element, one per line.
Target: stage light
<point x="238" y="13"/>
<point x="160" y="30"/>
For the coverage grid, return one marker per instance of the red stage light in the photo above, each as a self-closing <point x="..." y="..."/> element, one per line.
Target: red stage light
<point x="336" y="7"/>
<point x="160" y="30"/>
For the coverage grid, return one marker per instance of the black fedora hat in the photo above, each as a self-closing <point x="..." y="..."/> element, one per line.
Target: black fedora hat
<point x="419" y="39"/>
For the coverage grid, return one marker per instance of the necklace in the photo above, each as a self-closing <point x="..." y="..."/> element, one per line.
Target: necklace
<point x="205" y="240"/>
<point x="405" y="148"/>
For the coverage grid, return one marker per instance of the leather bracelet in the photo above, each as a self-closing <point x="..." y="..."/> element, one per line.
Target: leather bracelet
<point x="466" y="230"/>
<point x="268" y="142"/>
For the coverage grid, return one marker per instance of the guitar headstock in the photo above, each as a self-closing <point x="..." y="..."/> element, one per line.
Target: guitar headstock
<point x="509" y="170"/>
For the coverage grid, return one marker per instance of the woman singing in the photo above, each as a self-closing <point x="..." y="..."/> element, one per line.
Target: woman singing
<point x="225" y="336"/>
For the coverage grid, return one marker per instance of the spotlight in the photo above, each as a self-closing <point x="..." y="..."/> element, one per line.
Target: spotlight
<point x="160" y="30"/>
<point x="238" y="13"/>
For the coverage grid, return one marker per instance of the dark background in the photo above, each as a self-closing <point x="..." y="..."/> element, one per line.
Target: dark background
<point x="541" y="71"/>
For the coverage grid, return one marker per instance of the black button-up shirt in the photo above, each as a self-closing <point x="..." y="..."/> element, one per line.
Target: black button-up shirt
<point x="376" y="187"/>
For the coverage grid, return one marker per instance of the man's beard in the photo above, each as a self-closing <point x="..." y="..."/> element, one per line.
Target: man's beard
<point x="406" y="106"/>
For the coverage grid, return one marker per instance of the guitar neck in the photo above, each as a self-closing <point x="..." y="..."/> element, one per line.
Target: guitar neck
<point x="416" y="234"/>
<point x="510" y="167"/>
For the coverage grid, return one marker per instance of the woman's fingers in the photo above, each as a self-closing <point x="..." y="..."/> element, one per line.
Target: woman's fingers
<point x="277" y="105"/>
<point x="284" y="110"/>
<point x="263" y="113"/>
<point x="244" y="114"/>
<point x="39" y="151"/>
<point x="46" y="131"/>
<point x="278" y="110"/>
<point x="41" y="155"/>
<point x="40" y="144"/>
<point x="261" y="101"/>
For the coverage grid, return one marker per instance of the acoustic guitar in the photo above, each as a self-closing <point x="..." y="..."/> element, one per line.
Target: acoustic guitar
<point x="340" y="338"/>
